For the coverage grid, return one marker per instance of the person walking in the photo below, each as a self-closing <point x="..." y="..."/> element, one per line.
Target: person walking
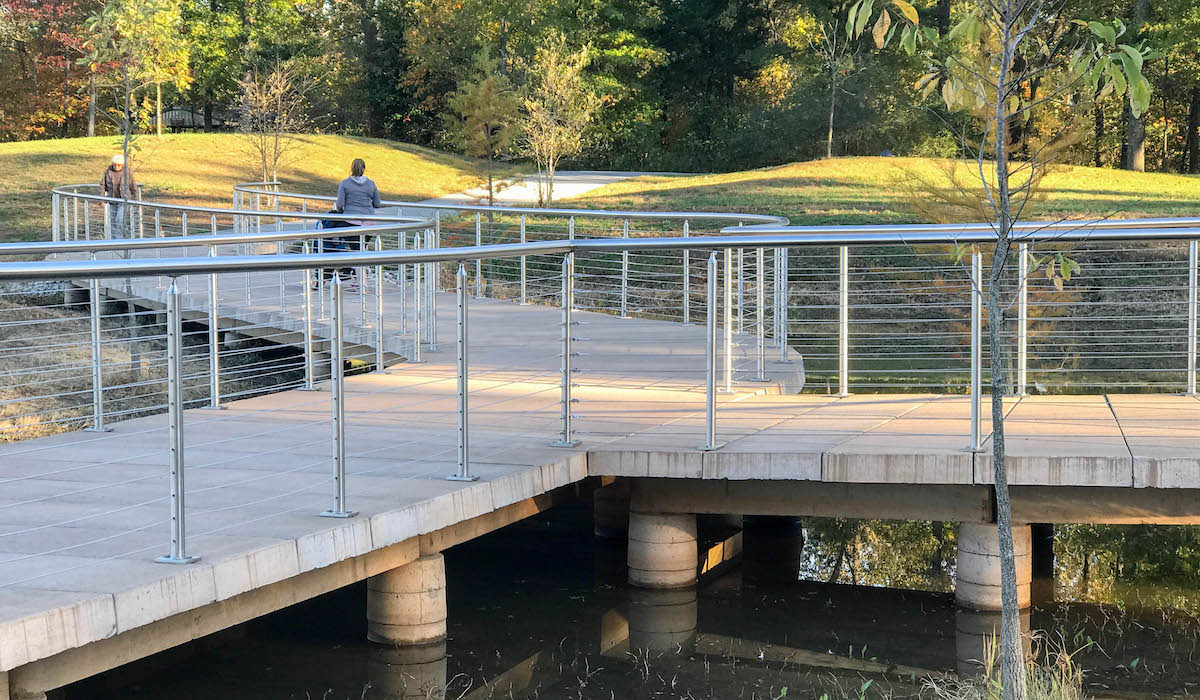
<point x="117" y="183"/>
<point x="356" y="194"/>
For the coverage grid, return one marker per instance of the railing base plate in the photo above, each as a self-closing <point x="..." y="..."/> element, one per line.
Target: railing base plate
<point x="339" y="514"/>
<point x="97" y="430"/>
<point x="168" y="559"/>
<point x="456" y="477"/>
<point x="711" y="448"/>
<point x="564" y="443"/>
<point x="218" y="407"/>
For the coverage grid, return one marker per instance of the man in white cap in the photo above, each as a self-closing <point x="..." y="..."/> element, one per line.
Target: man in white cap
<point x="117" y="183"/>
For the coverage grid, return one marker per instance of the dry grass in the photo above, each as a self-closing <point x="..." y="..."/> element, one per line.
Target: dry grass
<point x="201" y="169"/>
<point x="875" y="191"/>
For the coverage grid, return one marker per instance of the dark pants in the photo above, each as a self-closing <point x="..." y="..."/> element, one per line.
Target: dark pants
<point x="338" y="244"/>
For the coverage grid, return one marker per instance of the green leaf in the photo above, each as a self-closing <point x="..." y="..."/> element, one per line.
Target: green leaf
<point x="1103" y="31"/>
<point x="864" y="16"/>
<point x="1134" y="55"/>
<point x="909" y="12"/>
<point x="1133" y="664"/>
<point x="1139" y="95"/>
<point x="852" y="19"/>
<point x="908" y="39"/>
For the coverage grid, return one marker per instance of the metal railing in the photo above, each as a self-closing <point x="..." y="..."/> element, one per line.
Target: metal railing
<point x="751" y="284"/>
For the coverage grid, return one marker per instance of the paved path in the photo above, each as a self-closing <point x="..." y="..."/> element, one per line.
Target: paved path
<point x="567" y="184"/>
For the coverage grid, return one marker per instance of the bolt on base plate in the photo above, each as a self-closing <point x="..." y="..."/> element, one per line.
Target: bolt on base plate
<point x="168" y="559"/>
<point x="339" y="514"/>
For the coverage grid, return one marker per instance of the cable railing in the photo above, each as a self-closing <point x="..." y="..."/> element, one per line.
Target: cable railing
<point x="213" y="318"/>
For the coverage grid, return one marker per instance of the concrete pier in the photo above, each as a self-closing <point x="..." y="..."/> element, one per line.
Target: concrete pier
<point x="662" y="620"/>
<point x="977" y="640"/>
<point x="407" y="605"/>
<point x="397" y="673"/>
<point x="978" y="580"/>
<point x="662" y="550"/>
<point x="610" y="510"/>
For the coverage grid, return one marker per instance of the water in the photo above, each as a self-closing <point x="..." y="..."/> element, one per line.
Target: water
<point x="540" y="610"/>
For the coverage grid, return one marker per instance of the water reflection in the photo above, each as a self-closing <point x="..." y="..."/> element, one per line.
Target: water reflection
<point x="541" y="610"/>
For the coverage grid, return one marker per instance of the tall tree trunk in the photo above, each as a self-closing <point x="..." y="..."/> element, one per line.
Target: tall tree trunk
<point x="832" y="104"/>
<point x="1012" y="663"/>
<point x="208" y="112"/>
<point x="943" y="17"/>
<point x="1135" y="127"/>
<point x="92" y="102"/>
<point x="1098" y="113"/>
<point x="1192" y="140"/>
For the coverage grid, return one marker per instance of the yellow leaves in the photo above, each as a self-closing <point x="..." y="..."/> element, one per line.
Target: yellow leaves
<point x="907" y="10"/>
<point x="879" y="32"/>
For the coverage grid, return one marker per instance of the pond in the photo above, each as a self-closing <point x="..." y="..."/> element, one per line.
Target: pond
<point x="540" y="610"/>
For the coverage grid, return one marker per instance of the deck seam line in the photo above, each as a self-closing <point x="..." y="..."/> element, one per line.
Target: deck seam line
<point x="1124" y="439"/>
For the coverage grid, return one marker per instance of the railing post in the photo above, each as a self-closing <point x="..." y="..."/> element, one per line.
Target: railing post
<point x="571" y="228"/>
<point x="781" y="306"/>
<point x="523" y="301"/>
<point x="141" y="214"/>
<point x="362" y="284"/>
<point x="87" y="224"/>
<point x="478" y="261"/>
<point x="976" y="349"/>
<point x="1023" y="320"/>
<point x="710" y="360"/>
<point x="625" y="272"/>
<point x="379" y="308"/>
<point x="97" y="361"/>
<point x="418" y="321"/>
<point x="309" y="379"/>
<point x="75" y="217"/>
<point x="178" y="553"/>
<point x="436" y="277"/>
<point x="214" y="333"/>
<point x="566" y="439"/>
<point x="741" y="289"/>
<point x="108" y="234"/>
<point x="844" y="321"/>
<point x="687" y="277"/>
<point x="402" y="280"/>
<point x="464" y="457"/>
<point x="1191" y="349"/>
<point x="54" y="216"/>
<point x="728" y="329"/>
<point x="760" y="325"/>
<point x="431" y="282"/>
<point x="338" y="395"/>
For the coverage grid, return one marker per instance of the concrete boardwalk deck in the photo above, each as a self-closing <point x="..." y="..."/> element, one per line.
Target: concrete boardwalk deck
<point x="82" y="515"/>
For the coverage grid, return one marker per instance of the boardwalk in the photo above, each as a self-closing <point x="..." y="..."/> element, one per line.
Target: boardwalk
<point x="82" y="515"/>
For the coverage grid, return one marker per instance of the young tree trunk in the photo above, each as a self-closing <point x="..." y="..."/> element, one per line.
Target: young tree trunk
<point x="832" y="104"/>
<point x="158" y="108"/>
<point x="1192" y="142"/>
<point x="1012" y="661"/>
<point x="208" y="114"/>
<point x="1135" y="127"/>
<point x="92" y="103"/>
<point x="1098" y="159"/>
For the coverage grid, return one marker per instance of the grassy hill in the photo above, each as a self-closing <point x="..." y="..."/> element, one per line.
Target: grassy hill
<point x="202" y="169"/>
<point x="875" y="191"/>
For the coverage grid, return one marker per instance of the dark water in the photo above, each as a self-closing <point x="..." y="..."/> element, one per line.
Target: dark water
<point x="541" y="610"/>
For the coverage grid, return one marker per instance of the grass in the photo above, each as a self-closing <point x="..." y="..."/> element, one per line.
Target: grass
<point x="874" y="191"/>
<point x="201" y="169"/>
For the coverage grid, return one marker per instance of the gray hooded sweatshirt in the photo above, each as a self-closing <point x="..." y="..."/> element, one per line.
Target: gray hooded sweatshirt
<point x="358" y="194"/>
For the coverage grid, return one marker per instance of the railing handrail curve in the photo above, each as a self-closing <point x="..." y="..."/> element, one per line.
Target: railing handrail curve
<point x="762" y="219"/>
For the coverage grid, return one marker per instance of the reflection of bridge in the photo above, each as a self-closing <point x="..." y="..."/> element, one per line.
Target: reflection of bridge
<point x="630" y="393"/>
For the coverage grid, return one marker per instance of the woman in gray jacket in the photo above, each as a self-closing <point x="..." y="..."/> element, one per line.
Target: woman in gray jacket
<point x="358" y="194"/>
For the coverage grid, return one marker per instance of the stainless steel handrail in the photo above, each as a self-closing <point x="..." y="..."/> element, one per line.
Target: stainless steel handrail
<point x="67" y="191"/>
<point x="1023" y="226"/>
<point x="764" y="219"/>
<point x="42" y="270"/>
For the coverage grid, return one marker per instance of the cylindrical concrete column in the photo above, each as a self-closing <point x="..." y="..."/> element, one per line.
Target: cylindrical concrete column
<point x="977" y="640"/>
<point x="771" y="547"/>
<point x="662" y="550"/>
<point x="977" y="585"/>
<point x="610" y="510"/>
<point x="407" y="605"/>
<point x="662" y="620"/>
<point x="1042" y="547"/>
<point x="397" y="673"/>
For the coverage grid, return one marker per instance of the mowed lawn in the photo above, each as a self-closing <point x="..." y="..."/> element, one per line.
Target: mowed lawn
<point x="879" y="191"/>
<point x="201" y="169"/>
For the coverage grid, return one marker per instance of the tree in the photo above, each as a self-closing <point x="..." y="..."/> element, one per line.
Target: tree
<point x="167" y="50"/>
<point x="274" y="110"/>
<point x="1001" y="46"/>
<point x="488" y="114"/>
<point x="558" y="111"/>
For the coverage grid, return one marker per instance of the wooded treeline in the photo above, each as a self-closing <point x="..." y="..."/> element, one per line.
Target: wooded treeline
<point x="691" y="85"/>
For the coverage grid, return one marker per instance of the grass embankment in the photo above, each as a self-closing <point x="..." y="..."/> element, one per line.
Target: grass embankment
<point x="875" y="191"/>
<point x="201" y="169"/>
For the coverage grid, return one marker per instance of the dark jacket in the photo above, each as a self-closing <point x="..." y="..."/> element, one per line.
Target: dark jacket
<point x="118" y="184"/>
